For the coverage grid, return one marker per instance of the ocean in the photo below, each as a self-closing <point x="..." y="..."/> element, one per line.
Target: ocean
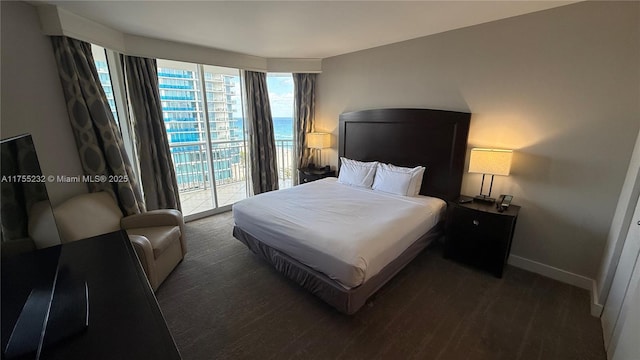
<point x="282" y="127"/>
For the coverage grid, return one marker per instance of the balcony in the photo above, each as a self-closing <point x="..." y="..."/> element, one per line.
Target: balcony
<point x="192" y="172"/>
<point x="178" y="87"/>
<point x="174" y="75"/>
<point x="209" y="77"/>
<point x="211" y="88"/>
<point x="180" y="119"/>
<point x="187" y="109"/>
<point x="177" y="97"/>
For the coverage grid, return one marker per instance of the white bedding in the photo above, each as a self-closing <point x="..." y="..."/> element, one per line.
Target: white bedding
<point x="345" y="232"/>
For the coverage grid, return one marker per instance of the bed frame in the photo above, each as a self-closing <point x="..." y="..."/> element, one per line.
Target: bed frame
<point x="435" y="139"/>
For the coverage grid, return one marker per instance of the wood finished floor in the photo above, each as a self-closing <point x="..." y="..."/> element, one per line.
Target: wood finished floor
<point x="222" y="302"/>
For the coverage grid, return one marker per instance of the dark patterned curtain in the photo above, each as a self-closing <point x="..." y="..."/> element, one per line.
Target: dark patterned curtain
<point x="156" y="166"/>
<point x="262" y="144"/>
<point x="97" y="135"/>
<point x="304" y="114"/>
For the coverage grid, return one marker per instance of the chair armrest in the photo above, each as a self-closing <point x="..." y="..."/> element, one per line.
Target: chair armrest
<point x="162" y="217"/>
<point x="143" y="249"/>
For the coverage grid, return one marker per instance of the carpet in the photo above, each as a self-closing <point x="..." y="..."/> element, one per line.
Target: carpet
<point x="222" y="302"/>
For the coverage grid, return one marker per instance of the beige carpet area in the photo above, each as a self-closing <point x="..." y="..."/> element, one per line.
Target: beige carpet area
<point x="222" y="302"/>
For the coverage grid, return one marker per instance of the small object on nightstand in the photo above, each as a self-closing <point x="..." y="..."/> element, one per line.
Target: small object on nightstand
<point x="479" y="234"/>
<point x="464" y="199"/>
<point x="503" y="202"/>
<point x="309" y="174"/>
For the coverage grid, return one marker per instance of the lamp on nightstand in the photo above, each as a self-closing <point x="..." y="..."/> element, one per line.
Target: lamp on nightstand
<point x="489" y="162"/>
<point x="318" y="141"/>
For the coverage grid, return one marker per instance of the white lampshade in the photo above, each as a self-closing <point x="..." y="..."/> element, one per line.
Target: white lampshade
<point x="318" y="140"/>
<point x="490" y="161"/>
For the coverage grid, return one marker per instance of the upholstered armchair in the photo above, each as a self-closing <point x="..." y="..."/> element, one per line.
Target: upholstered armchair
<point x="157" y="236"/>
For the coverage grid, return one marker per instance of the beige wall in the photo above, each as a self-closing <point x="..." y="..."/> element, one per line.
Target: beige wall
<point x="560" y="87"/>
<point x="32" y="99"/>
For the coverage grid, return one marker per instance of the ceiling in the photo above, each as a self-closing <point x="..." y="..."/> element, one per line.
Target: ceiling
<point x="295" y="29"/>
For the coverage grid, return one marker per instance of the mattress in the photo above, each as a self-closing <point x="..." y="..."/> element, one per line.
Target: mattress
<point x="345" y="232"/>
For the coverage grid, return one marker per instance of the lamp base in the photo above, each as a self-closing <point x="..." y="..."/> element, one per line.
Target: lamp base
<point x="484" y="198"/>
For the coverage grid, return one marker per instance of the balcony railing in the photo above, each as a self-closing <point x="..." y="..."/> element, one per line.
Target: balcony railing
<point x="177" y="97"/>
<point x="284" y="158"/>
<point x="179" y="87"/>
<point x="168" y="74"/>
<point x="186" y="109"/>
<point x="229" y="162"/>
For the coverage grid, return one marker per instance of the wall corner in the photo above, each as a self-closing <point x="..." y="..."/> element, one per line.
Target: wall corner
<point x="596" y="307"/>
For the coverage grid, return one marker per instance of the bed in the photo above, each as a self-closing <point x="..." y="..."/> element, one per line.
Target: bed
<point x="343" y="243"/>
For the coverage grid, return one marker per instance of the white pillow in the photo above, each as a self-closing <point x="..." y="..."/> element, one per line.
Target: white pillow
<point x="357" y="173"/>
<point x="398" y="180"/>
<point x="417" y="173"/>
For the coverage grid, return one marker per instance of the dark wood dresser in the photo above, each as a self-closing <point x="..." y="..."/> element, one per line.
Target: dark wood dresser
<point x="125" y="321"/>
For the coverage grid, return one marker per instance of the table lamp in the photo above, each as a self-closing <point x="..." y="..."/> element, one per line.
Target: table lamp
<point x="489" y="162"/>
<point x="318" y="141"/>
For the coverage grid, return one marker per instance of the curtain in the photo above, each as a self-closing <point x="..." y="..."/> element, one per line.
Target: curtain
<point x="304" y="103"/>
<point x="262" y="144"/>
<point x="157" y="173"/>
<point x="97" y="135"/>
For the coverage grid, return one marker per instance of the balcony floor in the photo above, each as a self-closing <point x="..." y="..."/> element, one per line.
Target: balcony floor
<point x="196" y="201"/>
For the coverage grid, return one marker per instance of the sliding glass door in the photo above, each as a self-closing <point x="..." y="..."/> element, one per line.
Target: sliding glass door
<point x="226" y="133"/>
<point x="203" y="117"/>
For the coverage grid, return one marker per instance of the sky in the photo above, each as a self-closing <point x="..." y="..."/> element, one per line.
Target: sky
<point x="280" y="94"/>
<point x="280" y="88"/>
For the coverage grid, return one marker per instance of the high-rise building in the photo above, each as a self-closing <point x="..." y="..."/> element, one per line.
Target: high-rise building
<point x="105" y="80"/>
<point x="184" y="109"/>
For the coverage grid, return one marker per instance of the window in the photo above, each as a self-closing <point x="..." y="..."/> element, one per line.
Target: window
<point x="100" y="59"/>
<point x="112" y="81"/>
<point x="280" y="87"/>
<point x="203" y="117"/>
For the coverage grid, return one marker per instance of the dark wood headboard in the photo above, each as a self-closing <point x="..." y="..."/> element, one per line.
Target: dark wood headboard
<point x="435" y="139"/>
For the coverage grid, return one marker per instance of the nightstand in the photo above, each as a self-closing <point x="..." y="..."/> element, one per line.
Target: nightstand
<point x="306" y="175"/>
<point x="478" y="235"/>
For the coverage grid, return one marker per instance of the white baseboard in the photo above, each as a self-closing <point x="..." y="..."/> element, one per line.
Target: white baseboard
<point x="562" y="276"/>
<point x="596" y="308"/>
<point x="551" y="272"/>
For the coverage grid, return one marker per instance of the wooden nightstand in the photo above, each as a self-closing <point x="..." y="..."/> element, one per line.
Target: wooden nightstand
<point x="477" y="234"/>
<point x="306" y="175"/>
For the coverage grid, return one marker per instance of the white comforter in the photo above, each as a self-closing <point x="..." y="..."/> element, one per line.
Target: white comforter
<point x="345" y="232"/>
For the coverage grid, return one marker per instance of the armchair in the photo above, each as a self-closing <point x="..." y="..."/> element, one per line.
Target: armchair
<point x="157" y="236"/>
